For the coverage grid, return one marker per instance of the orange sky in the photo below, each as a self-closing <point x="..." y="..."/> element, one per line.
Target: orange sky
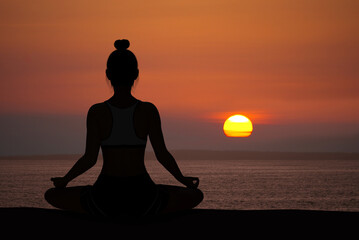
<point x="278" y="61"/>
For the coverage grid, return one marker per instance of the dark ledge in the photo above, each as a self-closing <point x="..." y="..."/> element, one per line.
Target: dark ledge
<point x="39" y="223"/>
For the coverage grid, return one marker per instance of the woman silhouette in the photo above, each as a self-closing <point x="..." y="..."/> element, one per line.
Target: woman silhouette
<point x="120" y="126"/>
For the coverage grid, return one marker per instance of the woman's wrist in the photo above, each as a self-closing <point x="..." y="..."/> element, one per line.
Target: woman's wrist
<point x="180" y="178"/>
<point x="66" y="178"/>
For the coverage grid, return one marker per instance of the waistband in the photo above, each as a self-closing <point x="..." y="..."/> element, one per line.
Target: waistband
<point x="141" y="179"/>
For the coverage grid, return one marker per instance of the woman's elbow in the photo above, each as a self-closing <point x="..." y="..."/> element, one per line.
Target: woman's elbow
<point x="163" y="155"/>
<point x="90" y="160"/>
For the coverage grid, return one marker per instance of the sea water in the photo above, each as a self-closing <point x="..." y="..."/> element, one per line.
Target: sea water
<point x="227" y="184"/>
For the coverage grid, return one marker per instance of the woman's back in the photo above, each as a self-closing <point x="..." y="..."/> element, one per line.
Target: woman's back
<point x="123" y="128"/>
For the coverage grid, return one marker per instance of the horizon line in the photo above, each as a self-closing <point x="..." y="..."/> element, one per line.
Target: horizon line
<point x="201" y="154"/>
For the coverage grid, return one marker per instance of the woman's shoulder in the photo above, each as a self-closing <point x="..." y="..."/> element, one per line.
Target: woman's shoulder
<point x="97" y="106"/>
<point x="148" y="107"/>
<point x="98" y="109"/>
<point x="147" y="104"/>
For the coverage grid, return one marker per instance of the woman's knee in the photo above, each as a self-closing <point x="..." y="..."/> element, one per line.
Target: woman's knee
<point x="198" y="196"/>
<point x="50" y="195"/>
<point x="193" y="197"/>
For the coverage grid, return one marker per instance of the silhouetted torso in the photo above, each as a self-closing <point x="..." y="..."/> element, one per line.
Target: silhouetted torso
<point x="123" y="161"/>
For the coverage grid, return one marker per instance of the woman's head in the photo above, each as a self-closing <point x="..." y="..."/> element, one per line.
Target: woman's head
<point x="122" y="67"/>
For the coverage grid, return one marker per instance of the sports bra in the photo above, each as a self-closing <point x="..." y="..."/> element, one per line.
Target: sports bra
<point x="123" y="132"/>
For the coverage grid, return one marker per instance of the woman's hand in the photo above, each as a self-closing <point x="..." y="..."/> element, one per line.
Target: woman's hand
<point x="190" y="182"/>
<point x="59" y="182"/>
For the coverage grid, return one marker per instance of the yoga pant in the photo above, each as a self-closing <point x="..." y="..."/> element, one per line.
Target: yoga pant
<point x="134" y="196"/>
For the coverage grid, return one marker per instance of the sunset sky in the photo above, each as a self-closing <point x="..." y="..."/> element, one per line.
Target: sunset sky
<point x="290" y="66"/>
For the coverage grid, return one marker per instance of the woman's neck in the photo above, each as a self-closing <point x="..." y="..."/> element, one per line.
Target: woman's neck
<point x="122" y="96"/>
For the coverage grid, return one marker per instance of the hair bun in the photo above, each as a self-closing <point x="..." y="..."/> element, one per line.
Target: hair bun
<point x="122" y="44"/>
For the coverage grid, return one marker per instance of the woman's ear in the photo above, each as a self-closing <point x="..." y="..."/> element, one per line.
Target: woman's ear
<point x="135" y="74"/>
<point x="108" y="74"/>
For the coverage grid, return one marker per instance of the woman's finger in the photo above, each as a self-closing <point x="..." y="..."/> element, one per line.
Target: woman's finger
<point x="196" y="182"/>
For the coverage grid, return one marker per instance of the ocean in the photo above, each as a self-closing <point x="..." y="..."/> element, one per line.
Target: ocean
<point x="331" y="185"/>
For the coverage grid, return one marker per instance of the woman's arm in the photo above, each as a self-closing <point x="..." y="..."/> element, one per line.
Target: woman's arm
<point x="89" y="159"/>
<point x="161" y="152"/>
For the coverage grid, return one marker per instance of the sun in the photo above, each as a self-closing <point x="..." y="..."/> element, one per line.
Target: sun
<point x="238" y="126"/>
